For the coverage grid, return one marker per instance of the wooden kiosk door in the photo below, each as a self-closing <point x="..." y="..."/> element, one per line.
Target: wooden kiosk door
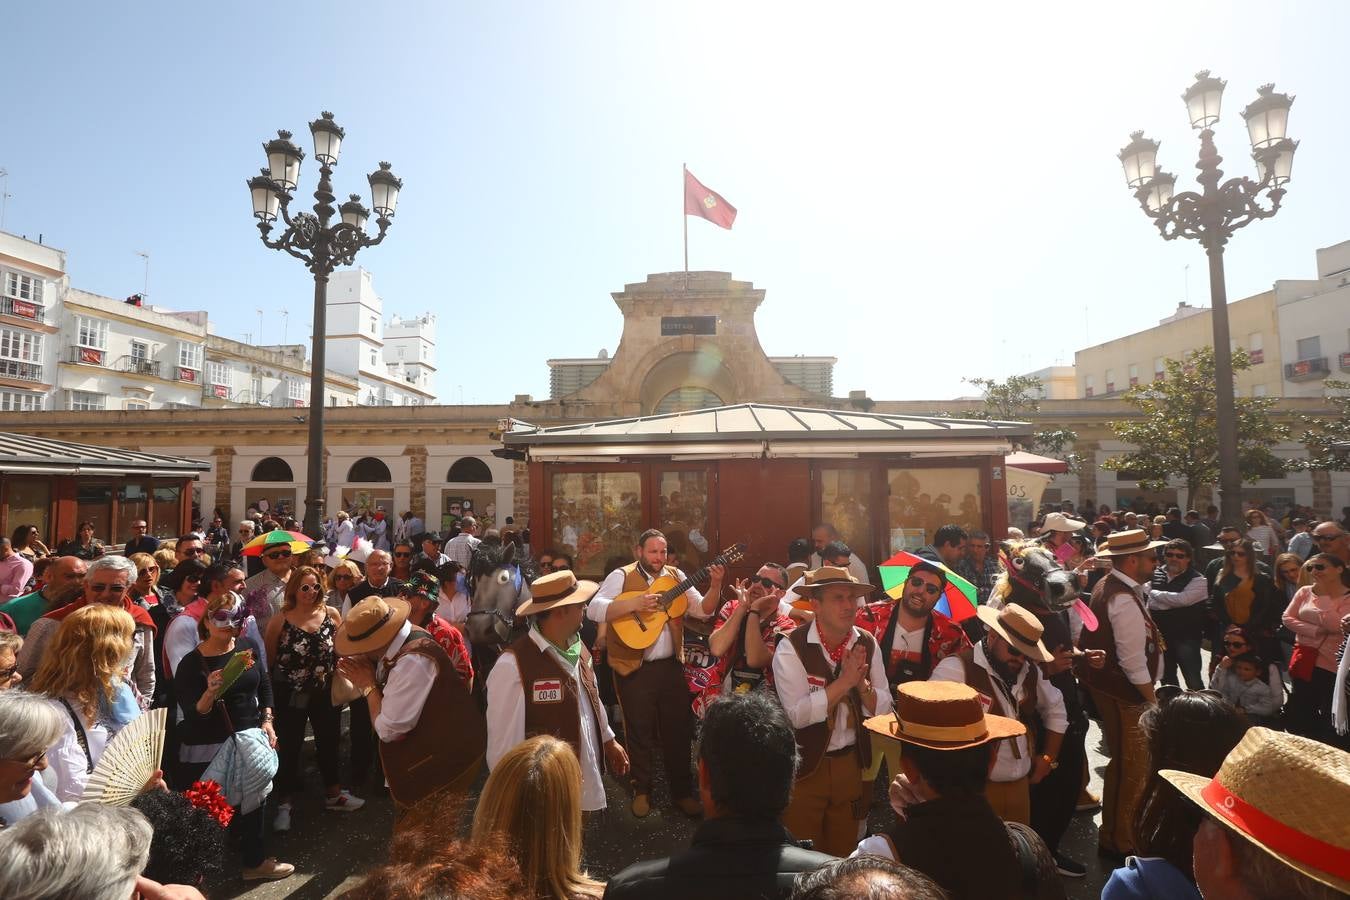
<point x="682" y="502"/>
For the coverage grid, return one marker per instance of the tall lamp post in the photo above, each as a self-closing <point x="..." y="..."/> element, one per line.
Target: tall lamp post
<point x="322" y="245"/>
<point x="1211" y="217"/>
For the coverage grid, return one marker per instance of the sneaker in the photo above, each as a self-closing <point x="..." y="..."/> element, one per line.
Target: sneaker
<point x="283" y="820"/>
<point x="642" y="806"/>
<point x="1088" y="802"/>
<point x="270" y="870"/>
<point x="1069" y="868"/>
<point x="345" y="801"/>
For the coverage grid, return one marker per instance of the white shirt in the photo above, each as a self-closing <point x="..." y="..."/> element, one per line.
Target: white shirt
<point x="855" y="566"/>
<point x="406" y="691"/>
<point x="454" y="610"/>
<point x="1130" y="629"/>
<point x="612" y="586"/>
<point x="1195" y="591"/>
<point x="66" y="757"/>
<point x="506" y="720"/>
<point x="805" y="702"/>
<point x="1049" y="706"/>
<point x="346" y="533"/>
<point x="460" y="549"/>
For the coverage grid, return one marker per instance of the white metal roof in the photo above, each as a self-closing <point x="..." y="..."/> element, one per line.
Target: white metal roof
<point x="38" y="455"/>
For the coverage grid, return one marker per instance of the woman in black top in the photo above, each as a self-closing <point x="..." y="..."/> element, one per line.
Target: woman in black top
<point x="83" y="545"/>
<point x="212" y="716"/>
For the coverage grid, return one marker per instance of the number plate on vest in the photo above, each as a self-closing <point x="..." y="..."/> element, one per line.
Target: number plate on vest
<point x="547" y="690"/>
<point x="815" y="682"/>
<point x="985" y="700"/>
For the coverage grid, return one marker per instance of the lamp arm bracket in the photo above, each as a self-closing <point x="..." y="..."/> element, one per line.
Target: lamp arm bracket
<point x="1239" y="201"/>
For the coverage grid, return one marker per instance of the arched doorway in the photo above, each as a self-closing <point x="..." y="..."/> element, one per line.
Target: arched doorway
<point x="369" y="487"/>
<point x="271" y="489"/>
<point x="468" y="491"/>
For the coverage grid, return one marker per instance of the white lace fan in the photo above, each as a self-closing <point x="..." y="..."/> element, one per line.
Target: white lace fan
<point x="131" y="757"/>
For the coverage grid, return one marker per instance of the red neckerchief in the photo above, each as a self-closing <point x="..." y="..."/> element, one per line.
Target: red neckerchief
<point x="837" y="655"/>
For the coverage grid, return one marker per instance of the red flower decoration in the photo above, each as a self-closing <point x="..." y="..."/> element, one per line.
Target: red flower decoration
<point x="206" y="795"/>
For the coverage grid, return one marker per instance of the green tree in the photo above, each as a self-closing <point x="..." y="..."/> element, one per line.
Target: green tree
<point x="1320" y="435"/>
<point x="1177" y="434"/>
<point x="1018" y="398"/>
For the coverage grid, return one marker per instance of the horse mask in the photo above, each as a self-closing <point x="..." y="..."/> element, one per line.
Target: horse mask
<point x="1033" y="578"/>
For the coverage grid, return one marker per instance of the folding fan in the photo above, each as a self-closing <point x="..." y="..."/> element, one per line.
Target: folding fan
<point x="129" y="760"/>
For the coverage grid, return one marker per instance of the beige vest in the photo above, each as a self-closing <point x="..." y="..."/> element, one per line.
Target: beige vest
<point x="625" y="660"/>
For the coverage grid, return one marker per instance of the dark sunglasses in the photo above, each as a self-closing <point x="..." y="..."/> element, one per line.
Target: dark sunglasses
<point x="279" y="554"/>
<point x="560" y="567"/>
<point x="193" y="551"/>
<point x="195" y="579"/>
<point x="111" y="588"/>
<point x="344" y="576"/>
<point x="769" y="583"/>
<point x="1316" y="567"/>
<point x="402" y="556"/>
<point x="1013" y="651"/>
<point x="931" y="589"/>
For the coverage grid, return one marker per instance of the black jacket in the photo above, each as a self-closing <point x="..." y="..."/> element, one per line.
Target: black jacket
<point x="735" y="859"/>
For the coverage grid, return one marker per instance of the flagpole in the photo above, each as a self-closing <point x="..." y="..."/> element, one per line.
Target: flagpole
<point x="684" y="214"/>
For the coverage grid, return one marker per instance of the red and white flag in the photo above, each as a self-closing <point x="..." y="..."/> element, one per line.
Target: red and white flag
<point x="706" y="203"/>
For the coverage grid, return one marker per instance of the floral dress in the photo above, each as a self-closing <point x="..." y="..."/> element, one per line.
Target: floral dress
<point x="305" y="660"/>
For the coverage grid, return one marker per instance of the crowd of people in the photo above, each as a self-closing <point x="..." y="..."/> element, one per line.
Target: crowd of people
<point x="806" y="683"/>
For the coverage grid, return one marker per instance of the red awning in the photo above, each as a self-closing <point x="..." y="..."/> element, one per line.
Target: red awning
<point x="1046" y="465"/>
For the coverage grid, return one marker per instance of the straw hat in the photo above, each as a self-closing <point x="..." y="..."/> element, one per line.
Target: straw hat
<point x="1126" y="543"/>
<point x="942" y="715"/>
<point x="828" y="575"/>
<point x="1282" y="791"/>
<point x="559" y="588"/>
<point x="370" y="625"/>
<point x="1059" y="522"/>
<point x="1019" y="628"/>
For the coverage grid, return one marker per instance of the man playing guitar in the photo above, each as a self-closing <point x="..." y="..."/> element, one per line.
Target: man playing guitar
<point x="650" y="683"/>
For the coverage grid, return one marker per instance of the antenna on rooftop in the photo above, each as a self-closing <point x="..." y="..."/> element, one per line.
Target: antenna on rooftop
<point x="145" y="255"/>
<point x="285" y="322"/>
<point x="4" y="196"/>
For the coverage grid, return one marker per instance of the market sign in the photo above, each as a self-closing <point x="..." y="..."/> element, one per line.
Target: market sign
<point x="674" y="326"/>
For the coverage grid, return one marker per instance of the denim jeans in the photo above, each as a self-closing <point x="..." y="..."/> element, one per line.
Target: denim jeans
<point x="1186" y="655"/>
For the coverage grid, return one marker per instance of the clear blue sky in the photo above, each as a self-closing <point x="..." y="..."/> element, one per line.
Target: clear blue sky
<point x="927" y="192"/>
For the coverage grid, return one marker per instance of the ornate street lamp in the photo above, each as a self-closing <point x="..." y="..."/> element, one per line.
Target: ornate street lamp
<point x="1211" y="217"/>
<point x="323" y="245"/>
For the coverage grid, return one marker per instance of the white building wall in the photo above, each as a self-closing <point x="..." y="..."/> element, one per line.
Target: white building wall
<point x="33" y="285"/>
<point x="1314" y="324"/>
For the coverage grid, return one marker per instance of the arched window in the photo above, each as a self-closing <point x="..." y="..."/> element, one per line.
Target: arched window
<point x="274" y="468"/>
<point x="469" y="468"/>
<point x="368" y="469"/>
<point x="685" y="399"/>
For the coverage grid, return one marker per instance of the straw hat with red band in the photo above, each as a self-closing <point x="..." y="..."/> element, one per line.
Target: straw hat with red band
<point x="370" y="625"/>
<point x="942" y="715"/>
<point x="559" y="588"/>
<point x="1127" y="543"/>
<point x="1287" y="795"/>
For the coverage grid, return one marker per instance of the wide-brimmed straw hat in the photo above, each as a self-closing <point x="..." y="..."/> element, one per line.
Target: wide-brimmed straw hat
<point x="370" y="625"/>
<point x="1059" y="522"/>
<point x="556" y="589"/>
<point x="825" y="576"/>
<point x="1126" y="543"/>
<point x="1287" y="795"/>
<point x="942" y="715"/>
<point x="1018" y="627"/>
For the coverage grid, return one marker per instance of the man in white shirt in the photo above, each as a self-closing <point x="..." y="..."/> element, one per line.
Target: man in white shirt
<point x="650" y="682"/>
<point x="460" y="547"/>
<point x="345" y="531"/>
<point x="1004" y="669"/>
<point x="824" y="534"/>
<point x="829" y="677"/>
<point x="544" y="683"/>
<point x="432" y="736"/>
<point x="1123" y="687"/>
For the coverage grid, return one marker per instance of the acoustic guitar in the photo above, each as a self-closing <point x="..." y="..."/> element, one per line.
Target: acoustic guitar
<point x="639" y="630"/>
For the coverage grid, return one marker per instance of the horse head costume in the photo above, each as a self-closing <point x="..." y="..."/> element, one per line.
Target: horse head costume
<point x="497" y="584"/>
<point x="1033" y="578"/>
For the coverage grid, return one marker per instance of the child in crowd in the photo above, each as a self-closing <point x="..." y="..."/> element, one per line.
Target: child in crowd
<point x="1241" y="684"/>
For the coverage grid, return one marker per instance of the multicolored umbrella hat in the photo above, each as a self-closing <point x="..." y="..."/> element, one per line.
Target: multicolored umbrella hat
<point x="277" y="537"/>
<point x="957" y="603"/>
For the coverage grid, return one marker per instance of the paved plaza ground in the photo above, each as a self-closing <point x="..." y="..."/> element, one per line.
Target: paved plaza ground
<point x="331" y="850"/>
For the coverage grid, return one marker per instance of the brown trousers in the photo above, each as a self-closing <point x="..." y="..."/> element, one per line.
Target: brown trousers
<point x="1126" y="773"/>
<point x="655" y="704"/>
<point x="824" y="805"/>
<point x="1011" y="800"/>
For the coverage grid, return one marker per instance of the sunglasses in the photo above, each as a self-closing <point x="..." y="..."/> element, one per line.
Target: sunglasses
<point x="149" y="569"/>
<point x="193" y="579"/>
<point x="279" y="554"/>
<point x="769" y="583"/>
<point x="1317" y="567"/>
<point x="110" y="588"/>
<point x="310" y="588"/>
<point x="402" y="556"/>
<point x="560" y="567"/>
<point x="344" y="576"/>
<point x="193" y="551"/>
<point x="1013" y="651"/>
<point x="931" y="589"/>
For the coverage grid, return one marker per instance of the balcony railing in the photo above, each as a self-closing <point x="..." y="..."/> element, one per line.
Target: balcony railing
<point x="23" y="309"/>
<point x="88" y="356"/>
<point x="1307" y="369"/>
<point x="223" y="393"/>
<point x="23" y="371"/>
<point x="138" y="365"/>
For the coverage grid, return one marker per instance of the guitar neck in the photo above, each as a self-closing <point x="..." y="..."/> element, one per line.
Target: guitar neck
<point x="669" y="596"/>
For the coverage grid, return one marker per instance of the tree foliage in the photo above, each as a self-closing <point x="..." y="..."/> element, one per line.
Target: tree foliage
<point x="1018" y="398"/>
<point x="1320" y="435"/>
<point x="1178" y="436"/>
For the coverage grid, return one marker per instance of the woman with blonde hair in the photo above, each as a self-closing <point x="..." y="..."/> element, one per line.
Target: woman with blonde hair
<point x="145" y="591"/>
<point x="84" y="672"/>
<point x="343" y="578"/>
<point x="1260" y="530"/>
<point x="533" y="798"/>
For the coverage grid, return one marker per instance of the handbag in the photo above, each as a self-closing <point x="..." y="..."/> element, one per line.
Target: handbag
<point x="1302" y="662"/>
